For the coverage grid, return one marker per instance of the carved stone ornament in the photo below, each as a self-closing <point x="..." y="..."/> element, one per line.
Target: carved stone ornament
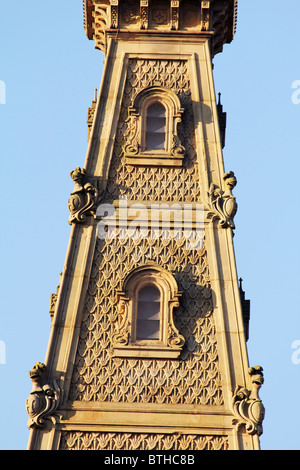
<point x="44" y="400"/>
<point x="222" y="204"/>
<point x="122" y="332"/>
<point x="82" y="202"/>
<point x="146" y="441"/>
<point x="247" y="406"/>
<point x="200" y="17"/>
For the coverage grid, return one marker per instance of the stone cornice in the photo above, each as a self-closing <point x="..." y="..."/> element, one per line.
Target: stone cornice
<point x="218" y="17"/>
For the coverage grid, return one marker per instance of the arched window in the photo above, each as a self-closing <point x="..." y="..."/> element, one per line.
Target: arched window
<point x="152" y="135"/>
<point x="148" y="313"/>
<point x="145" y="326"/>
<point x="156" y="127"/>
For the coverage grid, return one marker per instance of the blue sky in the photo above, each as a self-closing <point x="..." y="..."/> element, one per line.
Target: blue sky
<point x="49" y="70"/>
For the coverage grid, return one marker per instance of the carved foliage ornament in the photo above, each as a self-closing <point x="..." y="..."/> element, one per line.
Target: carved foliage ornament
<point x="222" y="204"/>
<point x="77" y="440"/>
<point x="44" y="400"/>
<point x="83" y="197"/>
<point x="247" y="406"/>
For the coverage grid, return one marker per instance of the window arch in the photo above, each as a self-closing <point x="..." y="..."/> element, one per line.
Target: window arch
<point x="153" y="129"/>
<point x="145" y="326"/>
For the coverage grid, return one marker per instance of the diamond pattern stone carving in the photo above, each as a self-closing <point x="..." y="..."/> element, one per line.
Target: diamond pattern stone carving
<point x="149" y="183"/>
<point x="193" y="378"/>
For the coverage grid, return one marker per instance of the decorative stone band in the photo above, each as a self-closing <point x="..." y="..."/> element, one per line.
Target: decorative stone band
<point x="217" y="18"/>
<point x="77" y="440"/>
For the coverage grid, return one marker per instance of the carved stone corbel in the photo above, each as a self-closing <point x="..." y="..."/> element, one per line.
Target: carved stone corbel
<point x="83" y="197"/>
<point x="247" y="406"/>
<point x="222" y="204"/>
<point x="44" y="400"/>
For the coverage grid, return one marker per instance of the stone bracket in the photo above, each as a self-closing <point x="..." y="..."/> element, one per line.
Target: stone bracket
<point x="222" y="204"/>
<point x="44" y="399"/>
<point x="83" y="199"/>
<point x="247" y="406"/>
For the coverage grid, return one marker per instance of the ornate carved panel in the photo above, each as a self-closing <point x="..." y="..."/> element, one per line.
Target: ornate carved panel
<point x="160" y="15"/>
<point x="190" y="15"/>
<point x="130" y="14"/>
<point x="132" y="441"/>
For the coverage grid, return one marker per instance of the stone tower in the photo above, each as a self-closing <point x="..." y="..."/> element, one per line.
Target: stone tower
<point x="147" y="348"/>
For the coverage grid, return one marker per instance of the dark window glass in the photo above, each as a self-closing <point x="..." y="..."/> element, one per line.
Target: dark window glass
<point x="156" y="127"/>
<point x="148" y="315"/>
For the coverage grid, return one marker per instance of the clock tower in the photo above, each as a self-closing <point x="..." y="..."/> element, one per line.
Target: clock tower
<point x="149" y="324"/>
